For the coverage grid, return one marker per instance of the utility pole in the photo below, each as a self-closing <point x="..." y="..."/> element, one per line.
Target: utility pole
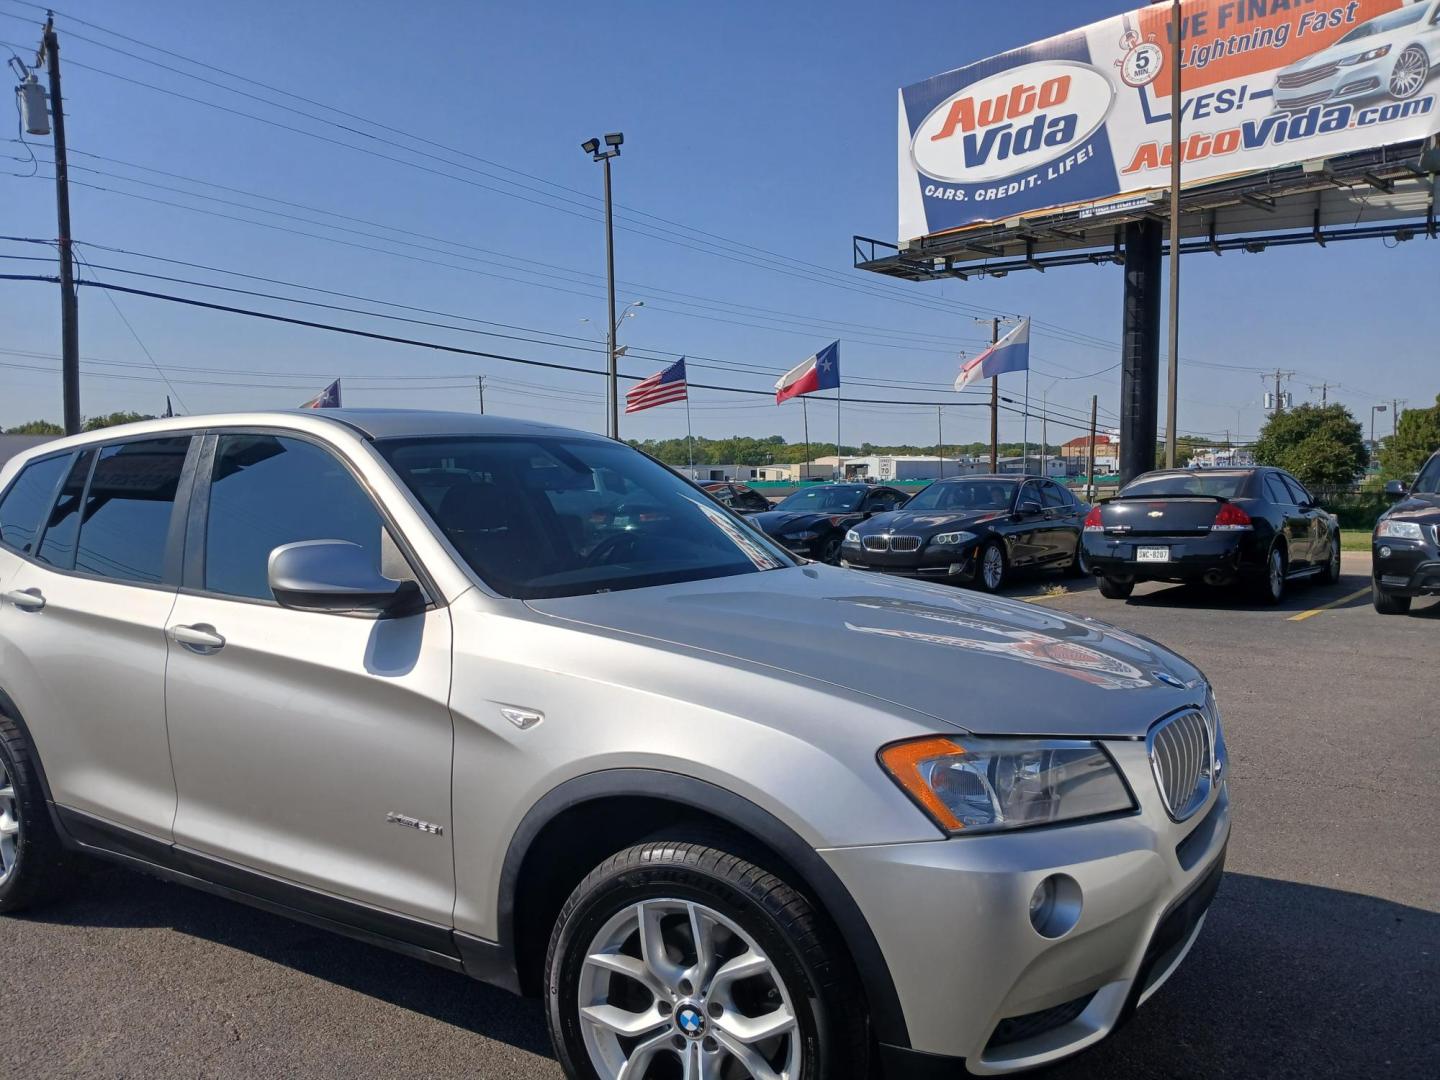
<point x="1175" y="163"/>
<point x="940" y="438"/>
<point x="995" y="406"/>
<point x="69" y="299"/>
<point x="1278" y="376"/>
<point x="480" y="385"/>
<point x="1090" y="482"/>
<point x="1324" y="389"/>
<point x="1396" y="404"/>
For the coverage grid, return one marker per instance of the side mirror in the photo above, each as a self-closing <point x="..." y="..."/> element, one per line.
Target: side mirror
<point x="1030" y="509"/>
<point x="1395" y="490"/>
<point x="339" y="577"/>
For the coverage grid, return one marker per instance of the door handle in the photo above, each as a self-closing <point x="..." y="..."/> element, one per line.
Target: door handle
<point x="200" y="638"/>
<point x="25" y="599"/>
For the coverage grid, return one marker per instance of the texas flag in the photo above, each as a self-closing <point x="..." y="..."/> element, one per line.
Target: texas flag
<point x="1010" y="353"/>
<point x="329" y="398"/>
<point x="820" y="372"/>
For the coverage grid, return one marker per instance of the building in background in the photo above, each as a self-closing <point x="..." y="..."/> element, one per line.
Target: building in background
<point x="1223" y="457"/>
<point x="1107" y="455"/>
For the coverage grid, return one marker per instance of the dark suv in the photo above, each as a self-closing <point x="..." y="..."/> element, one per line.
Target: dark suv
<point x="1406" y="544"/>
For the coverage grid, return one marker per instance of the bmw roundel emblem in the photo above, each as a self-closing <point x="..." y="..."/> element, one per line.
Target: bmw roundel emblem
<point x="690" y="1020"/>
<point x="1169" y="680"/>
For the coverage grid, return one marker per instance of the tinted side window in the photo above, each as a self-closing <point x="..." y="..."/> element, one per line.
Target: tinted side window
<point x="1276" y="491"/>
<point x="127" y="510"/>
<point x="57" y="546"/>
<point x="27" y="501"/>
<point x="1029" y="496"/>
<point x="1297" y="490"/>
<point x="266" y="491"/>
<point x="1055" y="496"/>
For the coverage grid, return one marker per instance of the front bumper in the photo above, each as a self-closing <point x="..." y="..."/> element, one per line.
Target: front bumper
<point x="981" y="990"/>
<point x="1406" y="567"/>
<point x="929" y="563"/>
<point x="1219" y="556"/>
<point x="1357" y="82"/>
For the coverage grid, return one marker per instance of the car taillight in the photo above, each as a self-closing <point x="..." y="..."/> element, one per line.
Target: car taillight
<point x="1231" y="518"/>
<point x="1092" y="520"/>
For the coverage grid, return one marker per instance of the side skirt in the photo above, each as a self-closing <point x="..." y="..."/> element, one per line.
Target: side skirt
<point x="486" y="961"/>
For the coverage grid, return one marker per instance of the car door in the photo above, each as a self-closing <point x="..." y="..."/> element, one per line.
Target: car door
<point x="1028" y="529"/>
<point x="1062" y="525"/>
<point x="311" y="747"/>
<point x="1317" y="521"/>
<point x="82" y="629"/>
<point x="1297" y="524"/>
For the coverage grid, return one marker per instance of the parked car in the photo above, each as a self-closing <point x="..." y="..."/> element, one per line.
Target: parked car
<point x="1406" y="544"/>
<point x="974" y="529"/>
<point x="813" y="521"/>
<point x="661" y="779"/>
<point x="1257" y="526"/>
<point x="1391" y="56"/>
<point x="738" y="497"/>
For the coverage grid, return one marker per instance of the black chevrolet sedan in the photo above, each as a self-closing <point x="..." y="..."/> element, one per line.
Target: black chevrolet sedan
<point x="812" y="522"/>
<point x="974" y="529"/>
<point x="1406" y="545"/>
<point x="1259" y="527"/>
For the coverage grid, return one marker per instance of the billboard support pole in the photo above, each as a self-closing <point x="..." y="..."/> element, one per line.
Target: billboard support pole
<point x="1140" y="349"/>
<point x="1177" y="44"/>
<point x="994" y="405"/>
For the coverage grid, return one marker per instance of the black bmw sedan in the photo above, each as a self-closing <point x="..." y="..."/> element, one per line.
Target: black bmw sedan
<point x="1406" y="544"/>
<point x="973" y="529"/>
<point x="812" y="522"/>
<point x="1259" y="527"/>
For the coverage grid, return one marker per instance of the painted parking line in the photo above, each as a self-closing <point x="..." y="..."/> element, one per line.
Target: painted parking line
<point x="1333" y="604"/>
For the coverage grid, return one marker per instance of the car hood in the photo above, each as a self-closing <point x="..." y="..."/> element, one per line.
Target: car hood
<point x="925" y="522"/>
<point x="982" y="664"/>
<point x="778" y="521"/>
<point x="1416" y="506"/>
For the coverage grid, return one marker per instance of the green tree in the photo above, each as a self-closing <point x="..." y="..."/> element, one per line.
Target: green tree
<point x="95" y="423"/>
<point x="1322" y="445"/>
<point x="1417" y="436"/>
<point x="36" y="427"/>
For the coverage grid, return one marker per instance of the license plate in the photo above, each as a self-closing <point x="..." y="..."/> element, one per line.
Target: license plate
<point x="1152" y="554"/>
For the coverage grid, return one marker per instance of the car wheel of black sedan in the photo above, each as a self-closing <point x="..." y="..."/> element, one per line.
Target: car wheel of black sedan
<point x="994" y="567"/>
<point x="1115" y="590"/>
<point x="1331" y="574"/>
<point x="1388" y="603"/>
<point x="1079" y="565"/>
<point x="1271" y="588"/>
<point x="830" y="553"/>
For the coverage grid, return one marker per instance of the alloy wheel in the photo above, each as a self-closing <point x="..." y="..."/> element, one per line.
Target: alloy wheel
<point x="992" y="566"/>
<point x="1410" y="73"/>
<point x="1335" y="560"/>
<point x="9" y="824"/>
<point x="674" y="990"/>
<point x="1277" y="573"/>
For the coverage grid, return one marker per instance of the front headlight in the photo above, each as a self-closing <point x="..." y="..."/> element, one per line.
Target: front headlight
<point x="1402" y="530"/>
<point x="852" y="537"/>
<point x="1365" y="57"/>
<point x="988" y="785"/>
<point x="951" y="539"/>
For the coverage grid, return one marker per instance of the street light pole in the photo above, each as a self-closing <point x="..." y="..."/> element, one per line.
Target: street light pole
<point x="69" y="298"/>
<point x="1175" y="162"/>
<point x="613" y="140"/>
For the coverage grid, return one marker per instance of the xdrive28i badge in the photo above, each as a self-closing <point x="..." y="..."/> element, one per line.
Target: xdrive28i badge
<point x="1012" y="122"/>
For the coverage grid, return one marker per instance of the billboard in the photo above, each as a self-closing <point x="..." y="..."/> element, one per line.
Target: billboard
<point x="1084" y="117"/>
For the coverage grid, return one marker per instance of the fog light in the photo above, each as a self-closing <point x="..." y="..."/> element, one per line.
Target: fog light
<point x="956" y="567"/>
<point x="1055" y="906"/>
<point x="1384" y="553"/>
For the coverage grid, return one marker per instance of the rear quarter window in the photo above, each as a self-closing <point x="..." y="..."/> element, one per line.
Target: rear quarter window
<point x="25" y="505"/>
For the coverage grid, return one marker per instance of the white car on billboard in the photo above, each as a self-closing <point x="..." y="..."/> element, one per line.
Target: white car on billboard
<point x="1393" y="55"/>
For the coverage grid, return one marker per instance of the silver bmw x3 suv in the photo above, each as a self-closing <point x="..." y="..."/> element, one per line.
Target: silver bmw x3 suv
<point x="522" y="702"/>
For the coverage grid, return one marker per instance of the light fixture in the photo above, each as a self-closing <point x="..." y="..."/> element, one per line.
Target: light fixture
<point x="614" y="138"/>
<point x="590" y="146"/>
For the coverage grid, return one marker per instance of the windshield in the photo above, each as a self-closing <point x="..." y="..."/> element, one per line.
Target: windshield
<point x="1428" y="482"/>
<point x="1227" y="485"/>
<point x="965" y="496"/>
<point x="830" y="499"/>
<point x="1385" y="23"/>
<point x="562" y="516"/>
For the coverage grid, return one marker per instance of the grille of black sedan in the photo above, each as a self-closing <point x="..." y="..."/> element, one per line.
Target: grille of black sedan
<point x="892" y="543"/>
<point x="1182" y="759"/>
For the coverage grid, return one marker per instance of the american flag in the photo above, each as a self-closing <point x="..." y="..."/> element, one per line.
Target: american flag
<point x="659" y="389"/>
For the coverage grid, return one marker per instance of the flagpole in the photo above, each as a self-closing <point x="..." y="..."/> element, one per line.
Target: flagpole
<point x="1025" y="438"/>
<point x="805" y="412"/>
<point x="839" y="468"/>
<point x="689" y="435"/>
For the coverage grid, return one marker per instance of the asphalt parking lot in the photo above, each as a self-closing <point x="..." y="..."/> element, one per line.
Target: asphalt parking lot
<point x="1320" y="957"/>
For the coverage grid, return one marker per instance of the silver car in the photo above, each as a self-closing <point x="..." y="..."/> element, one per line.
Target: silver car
<point x="407" y="676"/>
<point x="1391" y="56"/>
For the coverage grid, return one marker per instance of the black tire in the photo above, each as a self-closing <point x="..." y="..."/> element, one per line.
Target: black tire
<point x="1268" y="588"/>
<point x="832" y="1028"/>
<point x="1112" y="589"/>
<point x="39" y="866"/>
<point x="1388" y="603"/>
<point x="830" y="553"/>
<point x="1079" y="566"/>
<point x="1330" y="574"/>
<point x="1002" y="576"/>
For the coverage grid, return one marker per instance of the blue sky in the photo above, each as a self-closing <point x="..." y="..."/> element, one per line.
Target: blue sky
<point x="769" y="125"/>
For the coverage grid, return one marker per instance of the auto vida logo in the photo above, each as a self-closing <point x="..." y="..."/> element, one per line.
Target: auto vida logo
<point x="1011" y="122"/>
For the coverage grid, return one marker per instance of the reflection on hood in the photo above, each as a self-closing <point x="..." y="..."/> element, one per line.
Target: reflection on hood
<point x="1029" y="646"/>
